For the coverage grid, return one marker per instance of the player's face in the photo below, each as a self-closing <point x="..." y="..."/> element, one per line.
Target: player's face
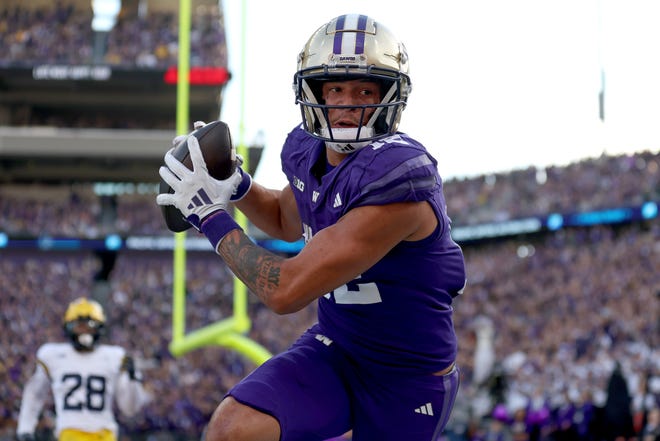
<point x="85" y="326"/>
<point x="347" y="93"/>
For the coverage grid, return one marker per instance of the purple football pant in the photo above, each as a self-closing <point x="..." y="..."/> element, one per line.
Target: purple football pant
<point x="317" y="392"/>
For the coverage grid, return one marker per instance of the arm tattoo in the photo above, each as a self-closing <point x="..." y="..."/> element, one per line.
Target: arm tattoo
<point x="257" y="267"/>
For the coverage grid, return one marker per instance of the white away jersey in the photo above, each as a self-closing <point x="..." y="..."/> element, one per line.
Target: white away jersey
<point x="84" y="385"/>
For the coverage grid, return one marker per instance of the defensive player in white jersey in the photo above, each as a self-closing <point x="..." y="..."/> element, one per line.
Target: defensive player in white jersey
<point x="85" y="378"/>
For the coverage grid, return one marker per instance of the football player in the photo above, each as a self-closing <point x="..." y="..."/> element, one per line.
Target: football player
<point x="85" y="378"/>
<point x="378" y="258"/>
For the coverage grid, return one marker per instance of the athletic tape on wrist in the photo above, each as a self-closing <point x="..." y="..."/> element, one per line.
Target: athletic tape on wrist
<point x="217" y="226"/>
<point x="243" y="187"/>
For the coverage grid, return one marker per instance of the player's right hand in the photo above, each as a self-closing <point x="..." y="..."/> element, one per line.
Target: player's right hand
<point x="196" y="193"/>
<point x="246" y="180"/>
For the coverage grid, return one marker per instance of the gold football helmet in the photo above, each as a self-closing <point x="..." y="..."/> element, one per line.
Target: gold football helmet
<point x="352" y="47"/>
<point x="84" y="323"/>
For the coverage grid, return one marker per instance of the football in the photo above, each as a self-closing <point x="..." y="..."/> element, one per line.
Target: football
<point x="218" y="151"/>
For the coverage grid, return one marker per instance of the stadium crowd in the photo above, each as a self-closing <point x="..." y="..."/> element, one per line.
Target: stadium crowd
<point x="608" y="181"/>
<point x="598" y="183"/>
<point x="62" y="34"/>
<point x="543" y="325"/>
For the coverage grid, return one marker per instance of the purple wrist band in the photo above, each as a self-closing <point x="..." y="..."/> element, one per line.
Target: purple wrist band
<point x="243" y="186"/>
<point x="217" y="225"/>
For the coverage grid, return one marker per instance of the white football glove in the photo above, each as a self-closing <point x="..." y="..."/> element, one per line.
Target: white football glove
<point x="177" y="139"/>
<point x="246" y="180"/>
<point x="196" y="193"/>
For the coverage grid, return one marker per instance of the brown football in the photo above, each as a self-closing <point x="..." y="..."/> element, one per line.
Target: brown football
<point x="218" y="151"/>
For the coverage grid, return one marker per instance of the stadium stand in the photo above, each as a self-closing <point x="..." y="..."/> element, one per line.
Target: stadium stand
<point x="54" y="84"/>
<point x="604" y="182"/>
<point x="554" y="308"/>
<point x="611" y="182"/>
<point x="61" y="34"/>
<point x="565" y="307"/>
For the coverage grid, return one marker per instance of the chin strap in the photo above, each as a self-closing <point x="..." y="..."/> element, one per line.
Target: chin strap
<point x="86" y="341"/>
<point x="348" y="135"/>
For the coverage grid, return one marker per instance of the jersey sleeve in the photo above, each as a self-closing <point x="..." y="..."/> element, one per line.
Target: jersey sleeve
<point x="397" y="173"/>
<point x="131" y="395"/>
<point x="35" y="393"/>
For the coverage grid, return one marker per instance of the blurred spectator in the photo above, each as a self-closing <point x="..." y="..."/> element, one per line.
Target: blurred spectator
<point x="618" y="409"/>
<point x="651" y="430"/>
<point x="62" y="34"/>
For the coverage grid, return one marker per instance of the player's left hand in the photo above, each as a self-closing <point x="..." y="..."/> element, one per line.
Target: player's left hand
<point x="128" y="365"/>
<point x="196" y="193"/>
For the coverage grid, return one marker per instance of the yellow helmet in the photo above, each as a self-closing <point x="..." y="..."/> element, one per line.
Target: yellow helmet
<point x="352" y="46"/>
<point x="90" y="312"/>
<point x="84" y="308"/>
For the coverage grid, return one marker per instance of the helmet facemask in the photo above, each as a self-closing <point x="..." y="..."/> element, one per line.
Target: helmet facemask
<point x="371" y="54"/>
<point x="86" y="339"/>
<point x="84" y="323"/>
<point x="382" y="122"/>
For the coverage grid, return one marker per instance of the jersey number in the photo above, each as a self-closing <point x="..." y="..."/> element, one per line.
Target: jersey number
<point x="94" y="387"/>
<point x="354" y="293"/>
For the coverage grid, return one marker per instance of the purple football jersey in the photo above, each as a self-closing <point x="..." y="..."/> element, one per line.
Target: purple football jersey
<point x="397" y="315"/>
